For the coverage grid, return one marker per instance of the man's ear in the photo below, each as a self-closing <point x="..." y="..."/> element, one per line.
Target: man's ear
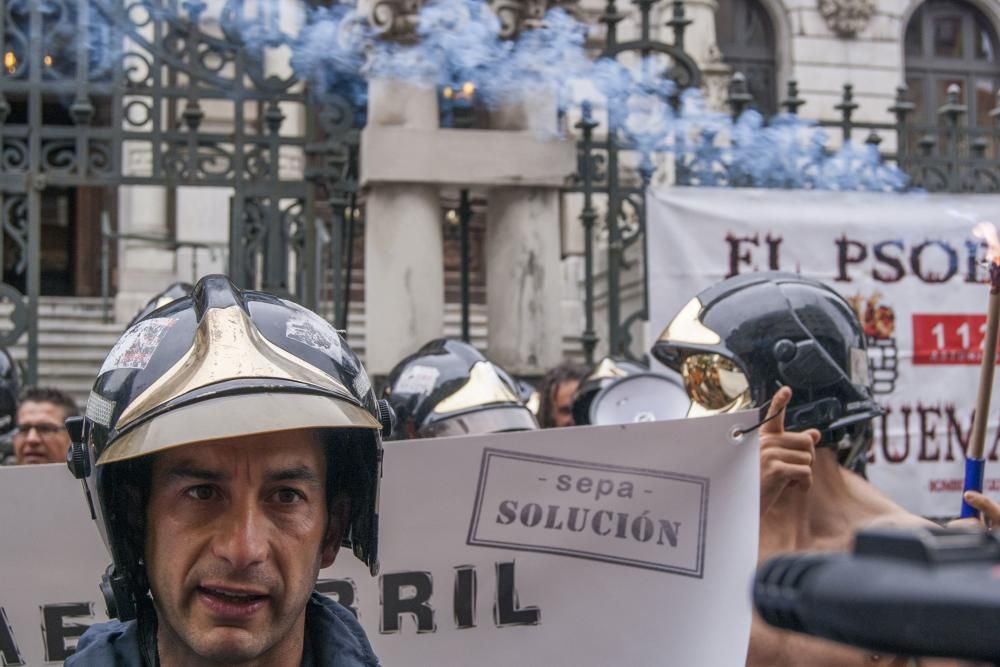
<point x="340" y="514"/>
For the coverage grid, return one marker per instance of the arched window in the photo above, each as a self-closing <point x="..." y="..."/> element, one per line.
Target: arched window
<point x="745" y="36"/>
<point x="952" y="42"/>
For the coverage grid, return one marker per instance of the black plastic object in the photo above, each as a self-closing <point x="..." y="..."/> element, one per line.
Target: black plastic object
<point x="923" y="592"/>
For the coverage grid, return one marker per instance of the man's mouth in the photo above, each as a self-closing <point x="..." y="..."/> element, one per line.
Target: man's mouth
<point x="227" y="602"/>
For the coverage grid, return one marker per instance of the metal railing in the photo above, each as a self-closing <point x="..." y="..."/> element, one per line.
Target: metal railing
<point x="215" y="251"/>
<point x="951" y="153"/>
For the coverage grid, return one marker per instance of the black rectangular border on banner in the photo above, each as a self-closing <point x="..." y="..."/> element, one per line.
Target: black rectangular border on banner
<point x="703" y="482"/>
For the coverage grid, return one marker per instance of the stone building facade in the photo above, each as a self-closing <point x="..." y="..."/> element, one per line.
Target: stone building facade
<point x="515" y="162"/>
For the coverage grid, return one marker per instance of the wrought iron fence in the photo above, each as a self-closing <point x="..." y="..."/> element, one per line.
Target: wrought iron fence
<point x="145" y="78"/>
<point x="948" y="156"/>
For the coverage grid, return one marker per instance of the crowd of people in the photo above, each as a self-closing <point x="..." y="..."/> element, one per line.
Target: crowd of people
<point x="239" y="587"/>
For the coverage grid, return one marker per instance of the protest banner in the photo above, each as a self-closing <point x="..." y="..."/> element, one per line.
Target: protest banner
<point x="617" y="545"/>
<point x="911" y="267"/>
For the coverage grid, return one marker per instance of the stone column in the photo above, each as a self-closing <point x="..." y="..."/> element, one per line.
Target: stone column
<point x="143" y="269"/>
<point x="404" y="260"/>
<point x="522" y="249"/>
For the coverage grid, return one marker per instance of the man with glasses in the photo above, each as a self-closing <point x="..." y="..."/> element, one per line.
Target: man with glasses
<point x="40" y="433"/>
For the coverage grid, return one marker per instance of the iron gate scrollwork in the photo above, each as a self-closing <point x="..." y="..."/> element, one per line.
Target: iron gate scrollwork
<point x="619" y="166"/>
<point x="165" y="93"/>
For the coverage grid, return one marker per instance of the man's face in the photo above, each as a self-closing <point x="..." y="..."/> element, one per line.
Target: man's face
<point x="236" y="533"/>
<point x="562" y="403"/>
<point x="41" y="436"/>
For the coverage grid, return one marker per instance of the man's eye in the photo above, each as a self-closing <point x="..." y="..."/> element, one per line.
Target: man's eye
<point x="288" y="496"/>
<point x="201" y="492"/>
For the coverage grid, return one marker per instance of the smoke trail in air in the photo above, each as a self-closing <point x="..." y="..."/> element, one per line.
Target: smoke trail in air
<point x="459" y="44"/>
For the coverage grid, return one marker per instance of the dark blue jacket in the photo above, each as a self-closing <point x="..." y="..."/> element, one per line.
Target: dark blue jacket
<point x="334" y="638"/>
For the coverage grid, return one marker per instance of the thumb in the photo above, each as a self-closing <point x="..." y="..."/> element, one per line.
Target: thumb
<point x="775" y="420"/>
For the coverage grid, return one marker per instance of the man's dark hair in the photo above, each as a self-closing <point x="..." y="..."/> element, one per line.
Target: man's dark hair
<point x="50" y="395"/>
<point x="565" y="372"/>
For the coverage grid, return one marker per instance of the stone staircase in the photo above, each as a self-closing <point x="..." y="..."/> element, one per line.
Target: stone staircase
<point x="74" y="339"/>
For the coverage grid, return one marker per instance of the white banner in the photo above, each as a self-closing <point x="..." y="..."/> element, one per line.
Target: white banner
<point x="911" y="266"/>
<point x="618" y="545"/>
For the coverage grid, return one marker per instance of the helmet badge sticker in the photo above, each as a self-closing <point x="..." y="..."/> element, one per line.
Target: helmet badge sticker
<point x="312" y="330"/>
<point x="362" y="385"/>
<point x="417" y="380"/>
<point x="136" y="346"/>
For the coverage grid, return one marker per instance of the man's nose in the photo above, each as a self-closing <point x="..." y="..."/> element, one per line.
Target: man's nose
<point x="32" y="435"/>
<point x="242" y="536"/>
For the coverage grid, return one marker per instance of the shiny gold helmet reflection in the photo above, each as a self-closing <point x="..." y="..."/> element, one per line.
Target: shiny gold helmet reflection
<point x="714" y="384"/>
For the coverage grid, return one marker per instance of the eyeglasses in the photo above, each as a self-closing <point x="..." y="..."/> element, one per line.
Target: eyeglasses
<point x="715" y="383"/>
<point x="43" y="430"/>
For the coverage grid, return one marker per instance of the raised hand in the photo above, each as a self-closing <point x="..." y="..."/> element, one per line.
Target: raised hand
<point x="785" y="457"/>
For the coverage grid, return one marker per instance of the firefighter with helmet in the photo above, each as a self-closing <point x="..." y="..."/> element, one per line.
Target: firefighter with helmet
<point x="231" y="445"/>
<point x="448" y="387"/>
<point x="795" y="342"/>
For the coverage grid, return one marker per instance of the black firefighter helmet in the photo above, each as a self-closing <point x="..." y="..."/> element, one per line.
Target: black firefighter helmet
<point x="449" y="388"/>
<point x="738" y="341"/>
<point x="173" y="292"/>
<point x="222" y="363"/>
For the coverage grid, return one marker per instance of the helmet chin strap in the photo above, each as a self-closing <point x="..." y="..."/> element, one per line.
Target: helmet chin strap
<point x="117" y="596"/>
<point x="813" y="415"/>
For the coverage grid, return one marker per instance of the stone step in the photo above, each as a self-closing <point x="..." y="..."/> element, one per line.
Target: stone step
<point x="73" y="316"/>
<point x="70" y="301"/>
<point x="86" y="374"/>
<point x="66" y="355"/>
<point x="70" y="340"/>
<point x="69" y="326"/>
<point x="82" y="305"/>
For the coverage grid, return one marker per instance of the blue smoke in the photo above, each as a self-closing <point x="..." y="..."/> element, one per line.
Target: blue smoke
<point x="787" y="152"/>
<point x="459" y="43"/>
<point x="329" y="53"/>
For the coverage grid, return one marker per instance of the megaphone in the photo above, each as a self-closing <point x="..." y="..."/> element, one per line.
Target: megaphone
<point x="643" y="397"/>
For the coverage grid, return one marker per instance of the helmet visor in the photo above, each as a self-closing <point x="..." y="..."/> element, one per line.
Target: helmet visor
<point x="489" y="420"/>
<point x="234" y="416"/>
<point x="714" y="384"/>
